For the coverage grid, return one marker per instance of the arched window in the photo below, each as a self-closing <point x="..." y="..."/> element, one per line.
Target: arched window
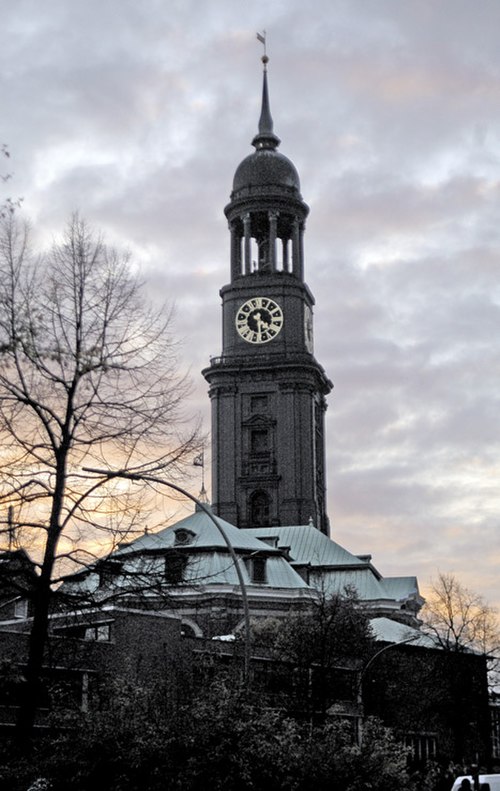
<point x="259" y="508"/>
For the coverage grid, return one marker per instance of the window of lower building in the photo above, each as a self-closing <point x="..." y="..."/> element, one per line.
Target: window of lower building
<point x="21" y="608"/>
<point x="423" y="745"/>
<point x="101" y="632"/>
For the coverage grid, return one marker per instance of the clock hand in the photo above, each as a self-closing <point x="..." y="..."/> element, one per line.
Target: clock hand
<point x="261" y="324"/>
<point x="258" y="322"/>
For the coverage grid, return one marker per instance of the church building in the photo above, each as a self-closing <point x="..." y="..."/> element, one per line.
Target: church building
<point x="264" y="547"/>
<point x="268" y="395"/>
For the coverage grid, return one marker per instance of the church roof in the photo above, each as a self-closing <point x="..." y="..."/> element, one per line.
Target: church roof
<point x="210" y="562"/>
<point x="269" y="170"/>
<point x="400" y="587"/>
<point x="388" y="631"/>
<point x="205" y="534"/>
<point x="308" y="545"/>
<point x="332" y="568"/>
<point x="266" y="171"/>
<point x="363" y="581"/>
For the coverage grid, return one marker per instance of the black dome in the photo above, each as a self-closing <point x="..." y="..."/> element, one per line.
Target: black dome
<point x="264" y="169"/>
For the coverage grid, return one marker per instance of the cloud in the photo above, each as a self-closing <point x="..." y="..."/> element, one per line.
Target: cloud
<point x="138" y="114"/>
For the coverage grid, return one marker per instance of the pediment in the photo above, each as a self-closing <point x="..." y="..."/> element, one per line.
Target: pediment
<point x="258" y="421"/>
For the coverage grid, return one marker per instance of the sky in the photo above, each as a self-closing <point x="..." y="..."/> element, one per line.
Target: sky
<point x="136" y="115"/>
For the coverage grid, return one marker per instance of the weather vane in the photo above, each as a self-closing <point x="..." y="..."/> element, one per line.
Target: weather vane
<point x="262" y="39"/>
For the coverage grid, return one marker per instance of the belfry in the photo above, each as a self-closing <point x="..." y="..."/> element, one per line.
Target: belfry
<point x="268" y="391"/>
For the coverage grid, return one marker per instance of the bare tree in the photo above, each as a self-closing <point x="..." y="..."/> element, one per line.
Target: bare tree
<point x="7" y="205"/>
<point x="460" y="619"/>
<point x="89" y="376"/>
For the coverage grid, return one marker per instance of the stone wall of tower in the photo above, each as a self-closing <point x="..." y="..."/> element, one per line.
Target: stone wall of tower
<point x="267" y="389"/>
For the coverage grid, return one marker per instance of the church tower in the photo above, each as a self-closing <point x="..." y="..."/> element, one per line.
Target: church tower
<point x="267" y="390"/>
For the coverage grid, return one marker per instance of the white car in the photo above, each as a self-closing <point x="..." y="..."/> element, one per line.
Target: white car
<point x="492" y="780"/>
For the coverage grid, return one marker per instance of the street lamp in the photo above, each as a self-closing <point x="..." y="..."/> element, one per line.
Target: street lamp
<point x="133" y="476"/>
<point x="381" y="651"/>
<point x="365" y="669"/>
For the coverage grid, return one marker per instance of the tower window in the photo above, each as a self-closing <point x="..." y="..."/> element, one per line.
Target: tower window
<point x="259" y="440"/>
<point x="259" y="404"/>
<point x="259" y="509"/>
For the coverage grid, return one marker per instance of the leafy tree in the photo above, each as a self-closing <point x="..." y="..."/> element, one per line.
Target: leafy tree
<point x="322" y="649"/>
<point x="88" y="377"/>
<point x="219" y="737"/>
<point x="444" y="688"/>
<point x="336" y="627"/>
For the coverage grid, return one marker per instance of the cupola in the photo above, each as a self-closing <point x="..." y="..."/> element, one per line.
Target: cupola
<point x="266" y="212"/>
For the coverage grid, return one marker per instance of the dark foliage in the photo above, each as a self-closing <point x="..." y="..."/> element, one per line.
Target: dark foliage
<point x="222" y="739"/>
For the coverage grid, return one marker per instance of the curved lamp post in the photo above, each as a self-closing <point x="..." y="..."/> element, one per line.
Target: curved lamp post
<point x="368" y="665"/>
<point x="381" y="651"/>
<point x="132" y="476"/>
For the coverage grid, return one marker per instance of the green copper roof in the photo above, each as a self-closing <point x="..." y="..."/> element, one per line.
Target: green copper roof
<point x="332" y="569"/>
<point x="205" y="534"/>
<point x="308" y="545"/>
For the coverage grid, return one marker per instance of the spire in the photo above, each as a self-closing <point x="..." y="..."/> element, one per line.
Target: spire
<point x="266" y="137"/>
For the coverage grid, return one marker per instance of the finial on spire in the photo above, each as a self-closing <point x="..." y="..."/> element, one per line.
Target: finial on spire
<point x="266" y="137"/>
<point x="262" y="39"/>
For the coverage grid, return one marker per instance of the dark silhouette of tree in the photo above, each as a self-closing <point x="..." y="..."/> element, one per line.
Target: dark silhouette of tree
<point x="217" y="737"/>
<point x="460" y="619"/>
<point x="89" y="376"/>
<point x="322" y="650"/>
<point x="7" y="205"/>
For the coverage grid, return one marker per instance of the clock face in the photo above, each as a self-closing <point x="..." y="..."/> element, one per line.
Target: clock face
<point x="259" y="320"/>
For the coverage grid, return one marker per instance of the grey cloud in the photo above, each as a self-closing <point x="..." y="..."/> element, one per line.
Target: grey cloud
<point x="138" y="114"/>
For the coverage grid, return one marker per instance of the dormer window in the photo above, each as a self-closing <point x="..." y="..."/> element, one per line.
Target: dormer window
<point x="175" y="566"/>
<point x="256" y="567"/>
<point x="183" y="536"/>
<point x="108" y="571"/>
<point x="272" y="541"/>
